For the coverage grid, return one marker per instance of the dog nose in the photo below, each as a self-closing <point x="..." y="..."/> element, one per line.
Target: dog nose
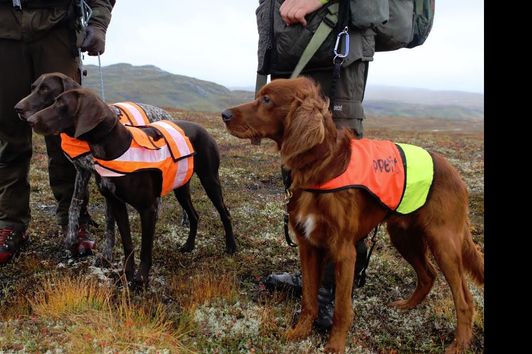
<point x="227" y="115"/>
<point x="20" y="112"/>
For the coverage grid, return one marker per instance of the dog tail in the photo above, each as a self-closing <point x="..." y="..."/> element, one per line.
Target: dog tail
<point x="473" y="258"/>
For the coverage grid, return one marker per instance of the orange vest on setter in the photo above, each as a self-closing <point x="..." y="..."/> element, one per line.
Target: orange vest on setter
<point x="129" y="114"/>
<point x="173" y="156"/>
<point x="400" y="176"/>
<point x="376" y="166"/>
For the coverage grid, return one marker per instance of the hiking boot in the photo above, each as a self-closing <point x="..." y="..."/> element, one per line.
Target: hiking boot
<point x="84" y="242"/>
<point x="324" y="320"/>
<point x="11" y="241"/>
<point x="287" y="282"/>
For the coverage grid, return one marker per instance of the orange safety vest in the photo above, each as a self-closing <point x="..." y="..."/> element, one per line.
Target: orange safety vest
<point x="130" y="113"/>
<point x="381" y="168"/>
<point x="173" y="156"/>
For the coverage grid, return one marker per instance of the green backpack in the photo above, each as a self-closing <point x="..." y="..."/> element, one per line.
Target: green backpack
<point x="396" y="23"/>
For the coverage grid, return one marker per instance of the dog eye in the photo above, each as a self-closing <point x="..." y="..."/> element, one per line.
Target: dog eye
<point x="266" y="99"/>
<point x="60" y="105"/>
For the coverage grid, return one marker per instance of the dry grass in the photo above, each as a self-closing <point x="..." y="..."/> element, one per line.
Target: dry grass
<point x="66" y="296"/>
<point x="195" y="290"/>
<point x="94" y="318"/>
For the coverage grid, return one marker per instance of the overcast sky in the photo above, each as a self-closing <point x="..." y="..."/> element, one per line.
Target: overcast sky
<point x="216" y="40"/>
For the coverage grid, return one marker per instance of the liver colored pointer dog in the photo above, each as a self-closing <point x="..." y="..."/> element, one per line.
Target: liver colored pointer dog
<point x="297" y="118"/>
<point x="82" y="115"/>
<point x="43" y="93"/>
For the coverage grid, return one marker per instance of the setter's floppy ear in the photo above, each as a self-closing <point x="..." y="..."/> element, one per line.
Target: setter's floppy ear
<point x="304" y="124"/>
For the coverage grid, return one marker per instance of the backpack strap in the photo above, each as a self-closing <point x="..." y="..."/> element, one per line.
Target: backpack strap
<point x="328" y="23"/>
<point x="326" y="26"/>
<point x="261" y="81"/>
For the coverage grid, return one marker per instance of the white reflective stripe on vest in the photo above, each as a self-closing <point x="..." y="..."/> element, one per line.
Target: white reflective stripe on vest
<point x="182" y="169"/>
<point x="140" y="154"/>
<point x="104" y="172"/>
<point x="176" y="135"/>
<point x="139" y="118"/>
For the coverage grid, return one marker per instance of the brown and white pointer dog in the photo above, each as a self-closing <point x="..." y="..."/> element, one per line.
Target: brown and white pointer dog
<point x="82" y="115"/>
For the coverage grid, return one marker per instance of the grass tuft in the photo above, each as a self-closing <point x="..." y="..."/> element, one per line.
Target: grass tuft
<point x="97" y="319"/>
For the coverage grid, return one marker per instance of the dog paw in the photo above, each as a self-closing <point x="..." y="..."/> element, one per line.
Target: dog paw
<point x="331" y="348"/>
<point x="138" y="284"/>
<point x="336" y="342"/>
<point x="402" y="305"/>
<point x="187" y="248"/>
<point x="292" y="335"/>
<point x="301" y="331"/>
<point x="230" y="249"/>
<point x="458" y="346"/>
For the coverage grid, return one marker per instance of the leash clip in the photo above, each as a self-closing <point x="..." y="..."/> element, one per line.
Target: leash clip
<point x="343" y="55"/>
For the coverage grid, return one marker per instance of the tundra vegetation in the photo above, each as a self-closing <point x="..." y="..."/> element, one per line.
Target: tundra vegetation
<point x="209" y="302"/>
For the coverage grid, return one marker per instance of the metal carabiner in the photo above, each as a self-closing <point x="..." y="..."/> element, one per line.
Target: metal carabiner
<point x="86" y="13"/>
<point x="337" y="44"/>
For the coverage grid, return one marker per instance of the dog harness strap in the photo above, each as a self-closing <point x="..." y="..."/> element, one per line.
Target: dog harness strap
<point x="179" y="146"/>
<point x="175" y="137"/>
<point x="144" y="140"/>
<point x="131" y="114"/>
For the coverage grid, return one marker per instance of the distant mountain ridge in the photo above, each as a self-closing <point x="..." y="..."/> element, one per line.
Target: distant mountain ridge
<point x="150" y="84"/>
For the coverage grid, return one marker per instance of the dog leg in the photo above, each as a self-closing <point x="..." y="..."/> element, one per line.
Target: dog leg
<point x="447" y="253"/>
<point x="413" y="248"/>
<point x="213" y="188"/>
<point x="109" y="235"/>
<point x="183" y="197"/>
<point x="79" y="195"/>
<point x="120" y="214"/>
<point x="148" y="219"/>
<point x="343" y="307"/>
<point x="311" y="261"/>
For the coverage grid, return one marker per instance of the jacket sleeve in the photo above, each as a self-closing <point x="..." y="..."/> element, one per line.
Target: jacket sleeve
<point x="101" y="13"/>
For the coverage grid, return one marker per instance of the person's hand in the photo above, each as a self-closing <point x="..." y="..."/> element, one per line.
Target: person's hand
<point x="94" y="41"/>
<point x="294" y="11"/>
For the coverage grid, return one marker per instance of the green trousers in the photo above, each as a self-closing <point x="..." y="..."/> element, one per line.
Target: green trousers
<point x="21" y="63"/>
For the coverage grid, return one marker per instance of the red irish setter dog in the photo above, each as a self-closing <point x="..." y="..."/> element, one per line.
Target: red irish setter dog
<point x="294" y="114"/>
